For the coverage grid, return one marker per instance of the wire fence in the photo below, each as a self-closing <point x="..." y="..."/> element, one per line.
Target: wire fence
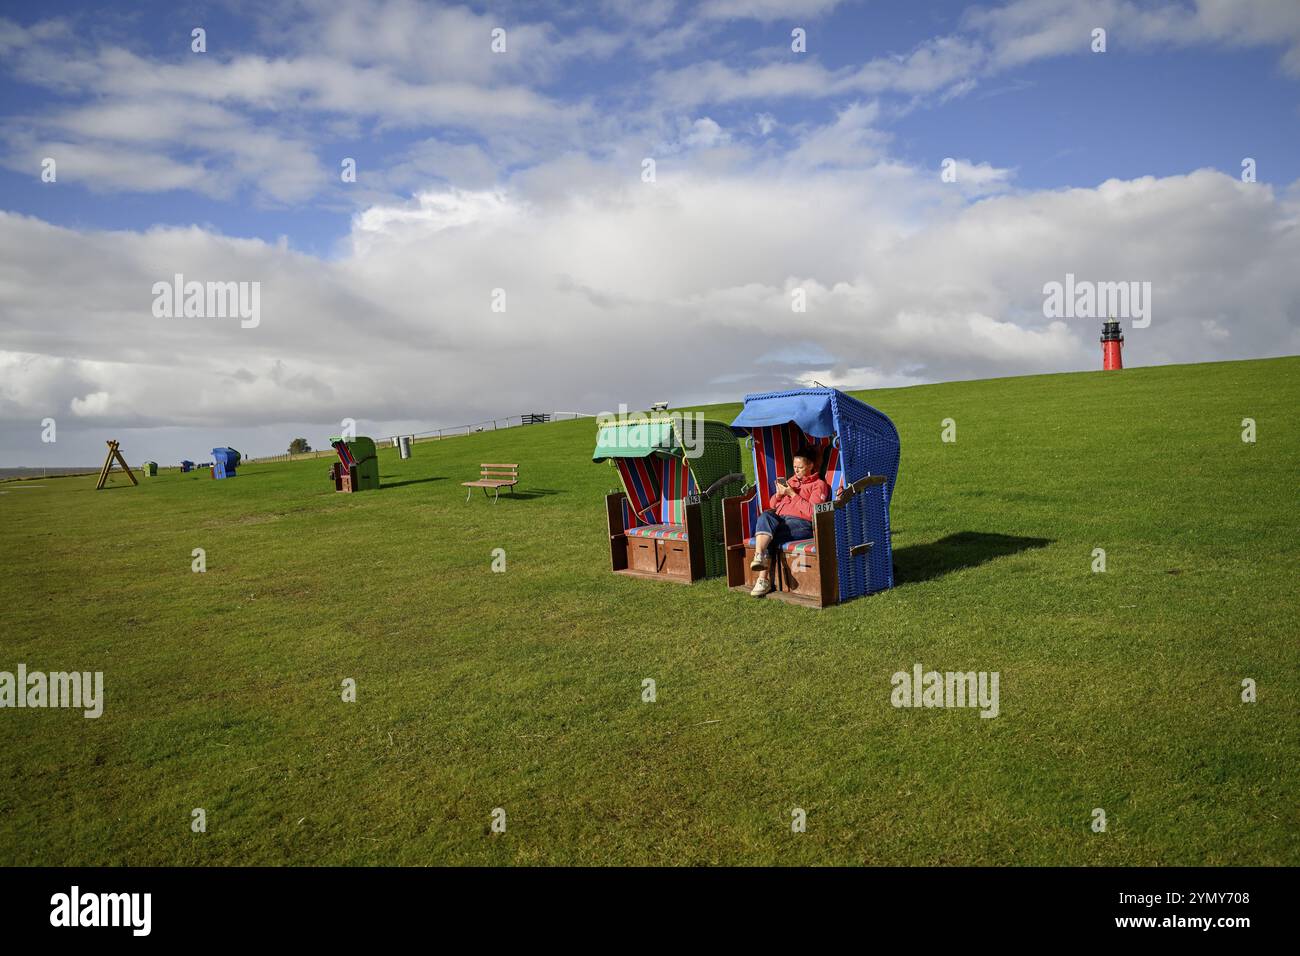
<point x="438" y="434"/>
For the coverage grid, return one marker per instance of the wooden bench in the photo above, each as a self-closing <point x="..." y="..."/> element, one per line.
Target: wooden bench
<point x="495" y="477"/>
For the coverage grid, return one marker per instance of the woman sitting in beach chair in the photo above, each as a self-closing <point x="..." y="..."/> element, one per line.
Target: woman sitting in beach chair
<point x="790" y="516"/>
<point x="817" y="517"/>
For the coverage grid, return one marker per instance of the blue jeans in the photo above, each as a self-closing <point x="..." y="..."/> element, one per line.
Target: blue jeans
<point x="782" y="528"/>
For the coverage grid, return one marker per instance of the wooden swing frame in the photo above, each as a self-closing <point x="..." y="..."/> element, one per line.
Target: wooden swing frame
<point x="114" y="454"/>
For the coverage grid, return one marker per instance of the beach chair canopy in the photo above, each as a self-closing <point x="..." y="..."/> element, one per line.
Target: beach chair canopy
<point x="354" y="451"/>
<point x="345" y="453"/>
<point x="849" y="440"/>
<point x="227" y="456"/>
<point x="636" y="439"/>
<point x="812" y="410"/>
<point x="663" y="460"/>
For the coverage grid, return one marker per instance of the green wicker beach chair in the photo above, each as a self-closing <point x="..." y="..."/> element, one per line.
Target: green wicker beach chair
<point x="675" y="471"/>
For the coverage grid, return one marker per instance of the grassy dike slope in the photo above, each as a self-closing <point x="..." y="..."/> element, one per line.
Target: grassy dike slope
<point x="522" y="689"/>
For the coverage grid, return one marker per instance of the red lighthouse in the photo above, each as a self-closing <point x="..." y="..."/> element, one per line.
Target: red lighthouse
<point x="1112" y="345"/>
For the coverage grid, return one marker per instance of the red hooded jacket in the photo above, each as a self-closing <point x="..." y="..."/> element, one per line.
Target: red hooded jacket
<point x="808" y="492"/>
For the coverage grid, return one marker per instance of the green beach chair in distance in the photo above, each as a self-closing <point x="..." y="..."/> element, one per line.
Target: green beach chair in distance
<point x="358" y="466"/>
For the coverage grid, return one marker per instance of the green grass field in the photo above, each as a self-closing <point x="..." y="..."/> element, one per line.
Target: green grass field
<point x="475" y="690"/>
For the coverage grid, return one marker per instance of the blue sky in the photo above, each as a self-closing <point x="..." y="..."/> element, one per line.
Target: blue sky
<point x="1070" y="120"/>
<point x="520" y="170"/>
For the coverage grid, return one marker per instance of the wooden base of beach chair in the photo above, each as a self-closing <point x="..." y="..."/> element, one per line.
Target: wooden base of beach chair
<point x="345" y="479"/>
<point x="659" y="559"/>
<point x="798" y="579"/>
<point x="810" y="579"/>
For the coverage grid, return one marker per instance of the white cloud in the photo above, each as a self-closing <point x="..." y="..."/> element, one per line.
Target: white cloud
<point x="716" y="82"/>
<point x="995" y="38"/>
<point x="94" y="405"/>
<point x="766" y="10"/>
<point x="851" y="140"/>
<point x="629" y="292"/>
<point x="107" y="166"/>
<point x="1025" y="30"/>
<point x="930" y="66"/>
<point x="428" y="213"/>
<point x="200" y="122"/>
<point x="618" y="290"/>
<point x="933" y="66"/>
<point x="430" y="42"/>
<point x="231" y="122"/>
<point x="978" y="179"/>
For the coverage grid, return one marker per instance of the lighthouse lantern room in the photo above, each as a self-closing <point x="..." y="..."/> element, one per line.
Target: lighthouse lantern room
<point x="1112" y="345"/>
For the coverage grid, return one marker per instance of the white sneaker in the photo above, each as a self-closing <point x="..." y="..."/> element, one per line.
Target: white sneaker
<point x="761" y="587"/>
<point x="759" y="562"/>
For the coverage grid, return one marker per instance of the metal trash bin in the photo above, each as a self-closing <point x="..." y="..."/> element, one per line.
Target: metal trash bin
<point x="404" y="447"/>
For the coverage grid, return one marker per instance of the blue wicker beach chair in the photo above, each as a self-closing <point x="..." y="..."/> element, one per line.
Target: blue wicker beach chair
<point x="857" y="451"/>
<point x="225" y="461"/>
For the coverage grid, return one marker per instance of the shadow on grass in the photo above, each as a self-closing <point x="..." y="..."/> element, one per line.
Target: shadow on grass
<point x="965" y="549"/>
<point x="412" y="481"/>
<point x="528" y="495"/>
